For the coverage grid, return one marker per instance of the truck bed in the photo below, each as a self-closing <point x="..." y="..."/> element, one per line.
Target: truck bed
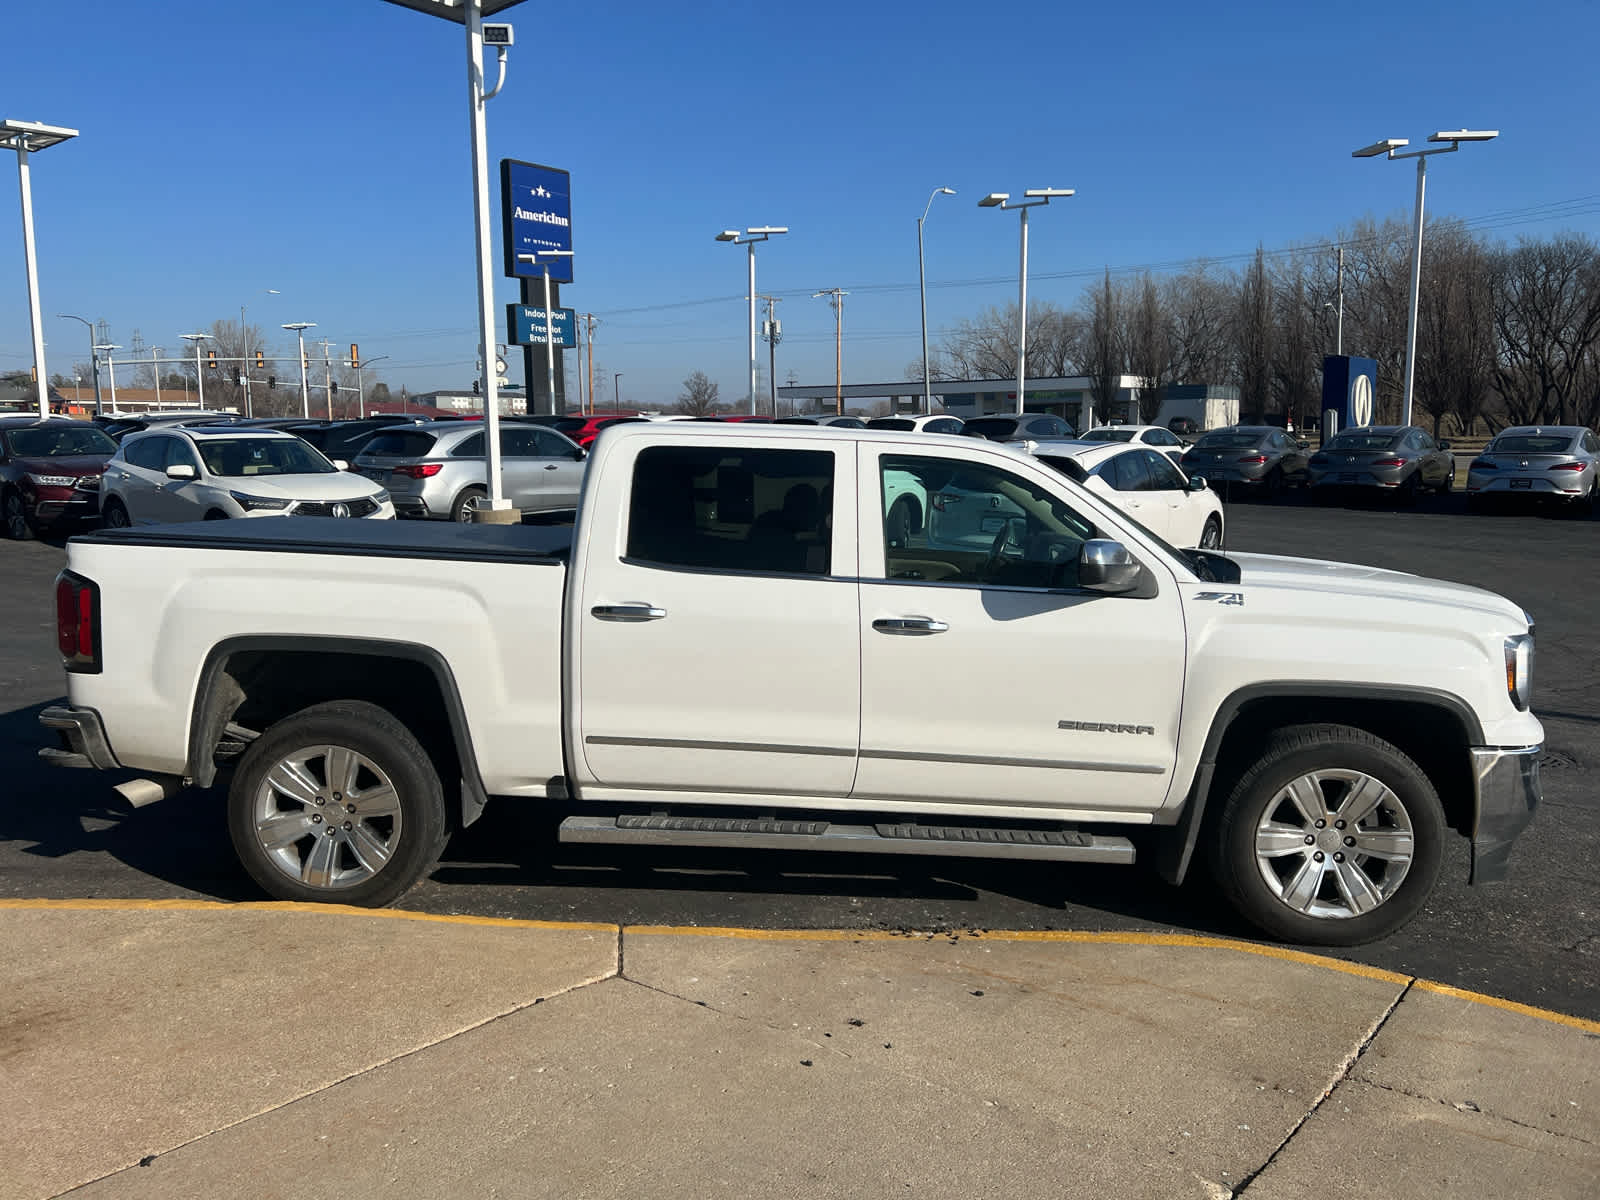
<point x="324" y="535"/>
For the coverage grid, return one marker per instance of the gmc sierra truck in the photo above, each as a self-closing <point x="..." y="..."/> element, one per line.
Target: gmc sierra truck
<point x="733" y="646"/>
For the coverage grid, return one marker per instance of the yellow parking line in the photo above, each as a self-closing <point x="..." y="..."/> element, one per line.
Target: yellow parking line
<point x="1057" y="936"/>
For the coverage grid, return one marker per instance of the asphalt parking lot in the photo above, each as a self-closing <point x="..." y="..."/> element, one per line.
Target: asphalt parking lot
<point x="1534" y="938"/>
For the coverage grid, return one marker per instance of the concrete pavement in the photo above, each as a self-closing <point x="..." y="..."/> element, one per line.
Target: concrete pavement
<point x="193" y="1049"/>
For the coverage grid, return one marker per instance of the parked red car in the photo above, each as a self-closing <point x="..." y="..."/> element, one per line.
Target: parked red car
<point x="583" y="429"/>
<point x="49" y="472"/>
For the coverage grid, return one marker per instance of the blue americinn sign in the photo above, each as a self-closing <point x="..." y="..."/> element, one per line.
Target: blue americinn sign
<point x="536" y="212"/>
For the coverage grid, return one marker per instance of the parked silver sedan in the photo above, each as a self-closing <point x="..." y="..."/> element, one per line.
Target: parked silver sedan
<point x="440" y="469"/>
<point x="1263" y="457"/>
<point x="1545" y="462"/>
<point x="1400" y="459"/>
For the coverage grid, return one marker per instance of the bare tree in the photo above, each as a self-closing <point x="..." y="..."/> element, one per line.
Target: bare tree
<point x="1297" y="357"/>
<point x="1103" y="356"/>
<point x="1455" y="330"/>
<point x="1151" y="352"/>
<point x="1201" y="303"/>
<point x="985" y="347"/>
<point x="1547" y="316"/>
<point x="1253" y="339"/>
<point x="699" y="398"/>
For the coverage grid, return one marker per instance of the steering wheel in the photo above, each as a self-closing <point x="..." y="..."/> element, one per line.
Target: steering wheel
<point x="997" y="551"/>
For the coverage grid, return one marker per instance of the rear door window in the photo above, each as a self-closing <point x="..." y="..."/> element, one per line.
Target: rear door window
<point x="472" y="447"/>
<point x="147" y="453"/>
<point x="1164" y="477"/>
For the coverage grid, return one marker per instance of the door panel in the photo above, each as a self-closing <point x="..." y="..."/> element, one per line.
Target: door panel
<point x="1001" y="700"/>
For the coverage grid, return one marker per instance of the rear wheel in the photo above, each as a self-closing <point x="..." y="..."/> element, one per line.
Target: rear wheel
<point x="468" y="502"/>
<point x="1273" y="484"/>
<point x="338" y="803"/>
<point x="1334" y="837"/>
<point x="1211" y="535"/>
<point x="14" y="514"/>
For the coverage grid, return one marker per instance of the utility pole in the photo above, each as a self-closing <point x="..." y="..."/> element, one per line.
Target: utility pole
<point x="1338" y="345"/>
<point x="836" y="300"/>
<point x="589" y="322"/>
<point x="772" y="331"/>
<point x="327" y="377"/>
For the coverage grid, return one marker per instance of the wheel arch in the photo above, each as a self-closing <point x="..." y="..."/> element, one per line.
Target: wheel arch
<point x="259" y="679"/>
<point x="1433" y="728"/>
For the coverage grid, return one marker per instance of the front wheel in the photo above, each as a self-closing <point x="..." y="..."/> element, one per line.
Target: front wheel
<point x="1211" y="535"/>
<point x="1334" y="837"/>
<point x="902" y="522"/>
<point x="115" y="515"/>
<point x="468" y="502"/>
<point x="15" y="517"/>
<point x="338" y="803"/>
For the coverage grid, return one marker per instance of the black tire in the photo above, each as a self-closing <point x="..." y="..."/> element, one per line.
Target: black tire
<point x="403" y="832"/>
<point x="1404" y="830"/>
<point x="216" y="514"/>
<point x="1410" y="490"/>
<point x="1211" y="534"/>
<point x="14" y="518"/>
<point x="115" y="515"/>
<point x="1272" y="486"/>
<point x="903" y="520"/>
<point x="469" y="498"/>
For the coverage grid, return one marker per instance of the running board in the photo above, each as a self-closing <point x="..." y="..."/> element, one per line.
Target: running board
<point x="755" y="833"/>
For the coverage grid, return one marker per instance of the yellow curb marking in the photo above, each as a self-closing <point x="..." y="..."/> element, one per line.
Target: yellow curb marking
<point x="1058" y="936"/>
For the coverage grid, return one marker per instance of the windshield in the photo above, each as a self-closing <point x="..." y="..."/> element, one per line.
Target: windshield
<point x="1108" y="435"/>
<point x="900" y="423"/>
<point x="1364" y="441"/>
<point x="59" y="440"/>
<point x="1531" y="444"/>
<point x="242" y="458"/>
<point x="1227" y="441"/>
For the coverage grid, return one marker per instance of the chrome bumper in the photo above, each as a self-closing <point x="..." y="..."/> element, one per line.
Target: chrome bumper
<point x="83" y="737"/>
<point x="1505" y="793"/>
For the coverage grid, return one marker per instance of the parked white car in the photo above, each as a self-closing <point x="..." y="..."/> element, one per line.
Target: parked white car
<point x="910" y="423"/>
<point x="1161" y="438"/>
<point x="201" y="473"/>
<point x="1144" y="483"/>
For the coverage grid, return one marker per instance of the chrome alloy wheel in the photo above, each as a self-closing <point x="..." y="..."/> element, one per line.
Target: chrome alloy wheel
<point x="327" y="817"/>
<point x="1334" y="843"/>
<point x="469" y="505"/>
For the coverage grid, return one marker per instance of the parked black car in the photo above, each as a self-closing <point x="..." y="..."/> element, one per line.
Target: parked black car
<point x="1184" y="426"/>
<point x="1261" y="457"/>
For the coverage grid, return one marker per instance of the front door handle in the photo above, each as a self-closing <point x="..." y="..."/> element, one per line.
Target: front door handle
<point x="552" y="466"/>
<point x="910" y="626"/>
<point x="628" y="612"/>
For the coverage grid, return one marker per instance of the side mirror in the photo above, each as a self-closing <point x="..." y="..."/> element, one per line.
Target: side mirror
<point x="579" y="454"/>
<point x="1444" y="445"/>
<point x="182" y="471"/>
<point x="1107" y="566"/>
<point x="341" y="464"/>
<point x="1197" y="483"/>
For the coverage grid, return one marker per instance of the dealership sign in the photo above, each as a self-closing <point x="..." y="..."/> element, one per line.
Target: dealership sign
<point x="536" y="212"/>
<point x="525" y="325"/>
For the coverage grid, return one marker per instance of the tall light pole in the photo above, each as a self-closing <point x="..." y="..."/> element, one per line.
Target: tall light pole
<point x="543" y="257"/>
<point x="155" y="365"/>
<point x="1387" y="148"/>
<point x="25" y="137"/>
<point x="1030" y="199"/>
<point x="922" y="283"/>
<point x="300" y="328"/>
<point x="616" y="390"/>
<point x="361" y="395"/>
<point x="194" y="339"/>
<point x="757" y="233"/>
<point x="94" y="356"/>
<point x="111" y="366"/>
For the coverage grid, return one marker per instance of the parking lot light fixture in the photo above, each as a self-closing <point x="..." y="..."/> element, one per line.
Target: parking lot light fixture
<point x="94" y="358"/>
<point x="25" y="137"/>
<point x="922" y="284"/>
<point x="543" y="257"/>
<point x="752" y="235"/>
<point x="111" y="366"/>
<point x="1390" y="148"/>
<point x="300" y="328"/>
<point x="194" y="339"/>
<point x="1031" y="198"/>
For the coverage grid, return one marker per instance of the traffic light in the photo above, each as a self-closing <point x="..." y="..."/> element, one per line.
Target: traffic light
<point x="474" y="387"/>
<point x="333" y="388"/>
<point x="211" y="360"/>
<point x="238" y="378"/>
<point x="261" y="361"/>
<point x="272" y="382"/>
<point x="355" y="354"/>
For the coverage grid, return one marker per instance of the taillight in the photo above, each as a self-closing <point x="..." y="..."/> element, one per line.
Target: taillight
<point x="1484" y="464"/>
<point x="1389" y="462"/>
<point x="1569" y="466"/>
<point x="420" y="470"/>
<point x="1253" y="458"/>
<point x="78" y="623"/>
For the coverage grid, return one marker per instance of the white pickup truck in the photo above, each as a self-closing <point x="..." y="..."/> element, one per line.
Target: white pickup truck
<point x="727" y="650"/>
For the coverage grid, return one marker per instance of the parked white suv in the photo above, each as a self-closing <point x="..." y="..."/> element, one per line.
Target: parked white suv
<point x="205" y="473"/>
<point x="1142" y="481"/>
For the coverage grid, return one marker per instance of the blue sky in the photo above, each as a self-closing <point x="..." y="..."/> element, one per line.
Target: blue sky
<point x="320" y="149"/>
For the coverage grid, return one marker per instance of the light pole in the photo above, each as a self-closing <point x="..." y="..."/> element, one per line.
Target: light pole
<point x="194" y="339"/>
<point x="616" y="390"/>
<point x="922" y="283"/>
<point x="155" y="366"/>
<point x="361" y="395"/>
<point x="300" y="328"/>
<point x="111" y="366"/>
<point x="1387" y="149"/>
<point x="750" y="237"/>
<point x="549" y="319"/>
<point x="25" y="137"/>
<point x="1030" y="199"/>
<point x="94" y="356"/>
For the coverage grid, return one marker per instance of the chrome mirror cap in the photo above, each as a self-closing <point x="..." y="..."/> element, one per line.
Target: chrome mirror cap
<point x="1107" y="566"/>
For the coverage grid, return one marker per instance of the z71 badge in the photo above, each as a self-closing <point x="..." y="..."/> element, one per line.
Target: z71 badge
<point x="1222" y="597"/>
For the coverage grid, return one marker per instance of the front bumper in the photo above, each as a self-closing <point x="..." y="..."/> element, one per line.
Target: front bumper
<point x="1505" y="794"/>
<point x="83" y="738"/>
<point x="79" y="506"/>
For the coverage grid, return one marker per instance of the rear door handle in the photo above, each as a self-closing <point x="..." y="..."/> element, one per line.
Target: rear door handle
<point x="552" y="466"/>
<point x="628" y="612"/>
<point x="910" y="626"/>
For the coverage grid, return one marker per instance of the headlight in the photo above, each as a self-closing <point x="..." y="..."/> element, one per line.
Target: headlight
<point x="1519" y="669"/>
<point x="381" y="496"/>
<point x="89" y="483"/>
<point x="250" y="503"/>
<point x="52" y="480"/>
